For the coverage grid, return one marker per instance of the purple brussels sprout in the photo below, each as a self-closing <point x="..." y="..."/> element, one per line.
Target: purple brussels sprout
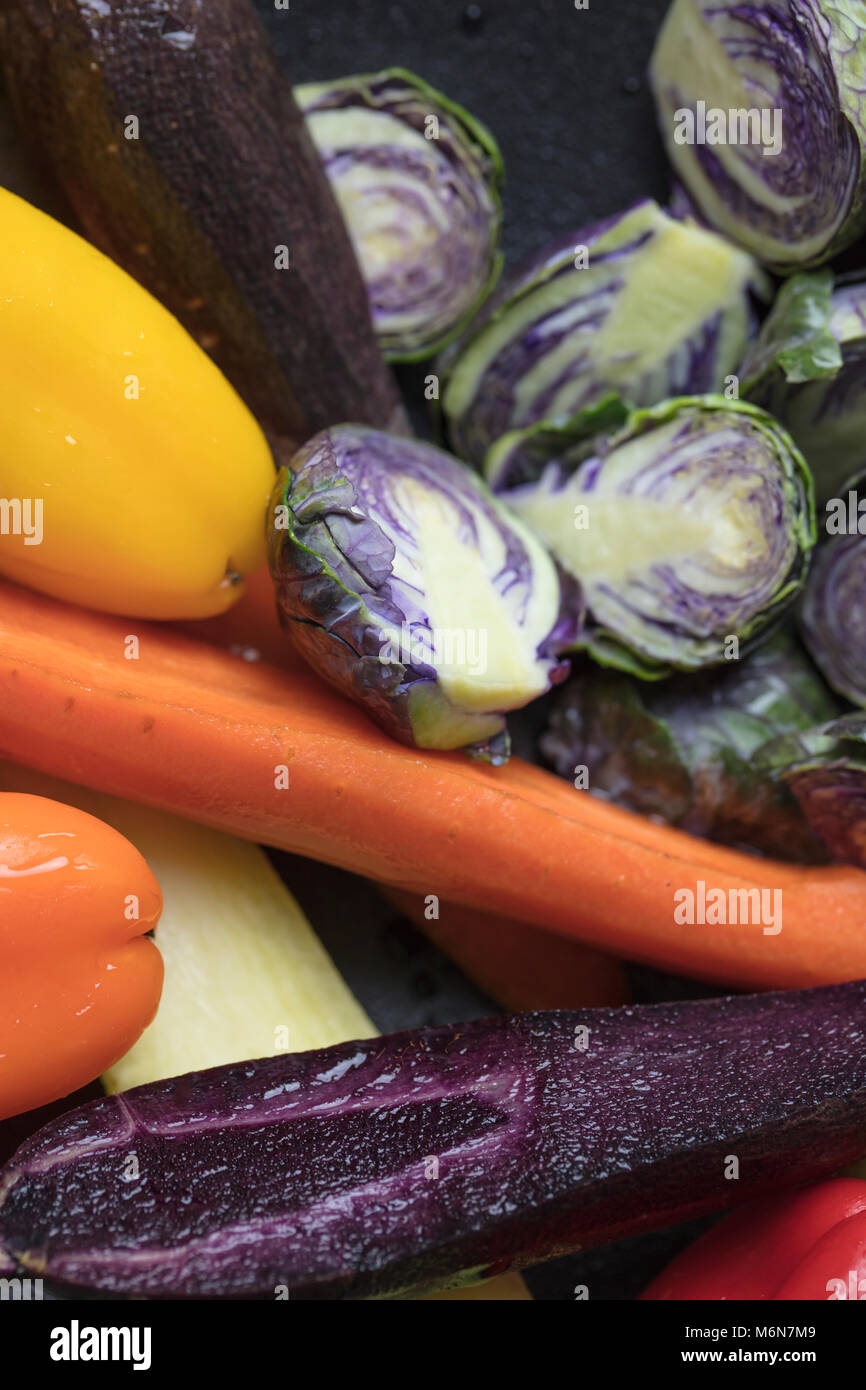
<point x="834" y="608"/>
<point x="689" y="529"/>
<point x="762" y="107"/>
<point x="825" y="768"/>
<point x="419" y="183"/>
<point x="407" y="585"/>
<point x="683" y="750"/>
<point x="642" y="305"/>
<point x="808" y="368"/>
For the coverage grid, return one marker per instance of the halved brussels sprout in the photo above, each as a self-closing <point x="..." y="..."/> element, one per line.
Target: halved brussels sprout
<point x="834" y="607"/>
<point x="689" y="529"/>
<point x="808" y="368"/>
<point x="642" y="305"/>
<point x="418" y="180"/>
<point x="761" y="107"/>
<point x="406" y="584"/>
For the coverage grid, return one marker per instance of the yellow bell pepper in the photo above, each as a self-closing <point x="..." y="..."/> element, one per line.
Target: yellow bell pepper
<point x="132" y="476"/>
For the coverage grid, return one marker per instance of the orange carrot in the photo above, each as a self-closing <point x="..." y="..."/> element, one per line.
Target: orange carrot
<point x="278" y="757"/>
<point x="250" y="627"/>
<point x="519" y="966"/>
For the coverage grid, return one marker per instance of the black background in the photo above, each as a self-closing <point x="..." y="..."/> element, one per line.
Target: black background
<point x="564" y="91"/>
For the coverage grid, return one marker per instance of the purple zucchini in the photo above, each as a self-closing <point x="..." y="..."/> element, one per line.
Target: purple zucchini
<point x="429" y="1157"/>
<point x="182" y="151"/>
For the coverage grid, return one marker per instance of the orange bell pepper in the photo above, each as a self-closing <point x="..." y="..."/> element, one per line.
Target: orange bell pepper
<point x="79" y="980"/>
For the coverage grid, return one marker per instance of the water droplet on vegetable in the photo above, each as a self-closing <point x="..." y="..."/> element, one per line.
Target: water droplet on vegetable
<point x="178" y="38"/>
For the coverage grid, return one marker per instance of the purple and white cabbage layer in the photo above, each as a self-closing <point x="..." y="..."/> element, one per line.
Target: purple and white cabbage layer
<point x="688" y="528"/>
<point x="407" y="585"/>
<point x="808" y="368"/>
<point x="834" y="608"/>
<point x="762" y="107"/>
<point x="641" y="304"/>
<point x="418" y="180"/>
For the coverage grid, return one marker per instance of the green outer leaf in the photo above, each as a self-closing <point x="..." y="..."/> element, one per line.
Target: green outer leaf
<point x="840" y="741"/>
<point x="308" y="94"/>
<point x="825" y="768"/>
<point x="795" y="338"/>
<point x="606" y="649"/>
<point x="808" y="368"/>
<point x="684" y="752"/>
<point x="604" y="721"/>
<point x="534" y="446"/>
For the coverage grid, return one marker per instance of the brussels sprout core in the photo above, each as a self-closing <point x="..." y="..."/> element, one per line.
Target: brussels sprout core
<point x="497" y="666"/>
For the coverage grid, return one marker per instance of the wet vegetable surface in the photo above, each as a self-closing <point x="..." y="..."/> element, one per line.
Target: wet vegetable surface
<point x="825" y="768"/>
<point x="372" y="1167"/>
<point x="683" y="750"/>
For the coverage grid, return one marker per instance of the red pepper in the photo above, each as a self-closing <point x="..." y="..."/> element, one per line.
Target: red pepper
<point x="809" y="1244"/>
